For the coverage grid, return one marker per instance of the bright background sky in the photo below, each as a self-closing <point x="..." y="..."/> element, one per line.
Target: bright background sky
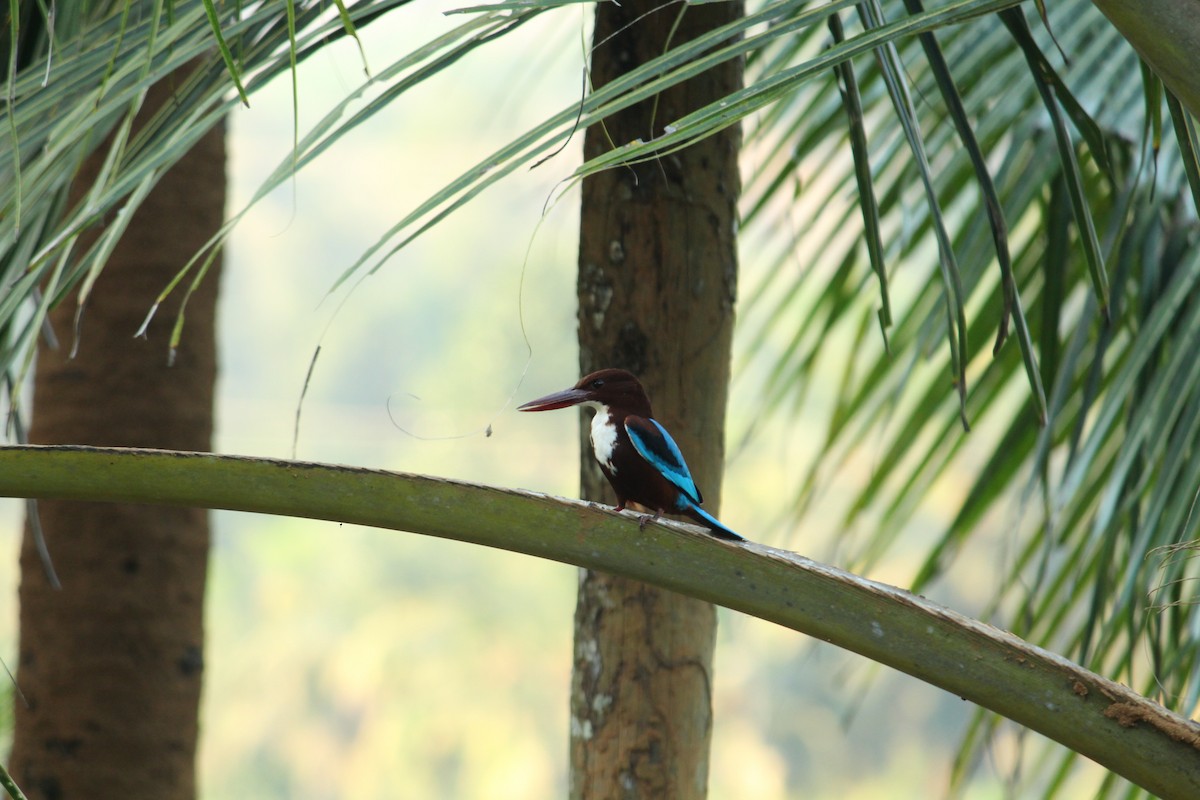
<point x="354" y="663"/>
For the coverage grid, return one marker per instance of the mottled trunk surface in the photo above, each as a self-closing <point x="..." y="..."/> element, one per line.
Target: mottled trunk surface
<point x="111" y="664"/>
<point x="657" y="280"/>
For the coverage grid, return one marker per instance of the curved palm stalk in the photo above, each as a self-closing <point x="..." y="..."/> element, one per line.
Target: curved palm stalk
<point x="1167" y="34"/>
<point x="1124" y="732"/>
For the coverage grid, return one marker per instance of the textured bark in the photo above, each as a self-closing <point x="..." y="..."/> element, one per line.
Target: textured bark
<point x="657" y="280"/>
<point x="111" y="664"/>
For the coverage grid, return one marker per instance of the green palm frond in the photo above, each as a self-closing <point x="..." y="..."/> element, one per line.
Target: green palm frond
<point x="1105" y="248"/>
<point x="66" y="99"/>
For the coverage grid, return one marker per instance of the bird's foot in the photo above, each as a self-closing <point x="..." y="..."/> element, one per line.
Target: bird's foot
<point x="646" y="519"/>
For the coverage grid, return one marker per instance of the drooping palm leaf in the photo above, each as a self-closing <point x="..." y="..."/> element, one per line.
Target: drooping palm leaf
<point x="64" y="106"/>
<point x="1105" y="253"/>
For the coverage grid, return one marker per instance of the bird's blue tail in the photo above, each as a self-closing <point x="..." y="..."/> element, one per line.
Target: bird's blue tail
<point x="708" y="520"/>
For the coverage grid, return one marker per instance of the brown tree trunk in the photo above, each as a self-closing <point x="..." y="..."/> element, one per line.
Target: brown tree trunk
<point x="111" y="664"/>
<point x="657" y="279"/>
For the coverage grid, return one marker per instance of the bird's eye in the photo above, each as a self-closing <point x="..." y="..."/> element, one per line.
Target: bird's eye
<point x="596" y="384"/>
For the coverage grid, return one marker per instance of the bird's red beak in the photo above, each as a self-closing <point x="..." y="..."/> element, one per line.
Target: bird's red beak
<point x="567" y="397"/>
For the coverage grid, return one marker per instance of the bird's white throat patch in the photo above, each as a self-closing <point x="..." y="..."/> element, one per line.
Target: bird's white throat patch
<point x="604" y="435"/>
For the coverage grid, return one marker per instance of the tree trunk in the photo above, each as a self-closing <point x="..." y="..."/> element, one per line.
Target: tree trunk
<point x="111" y="664"/>
<point x="657" y="280"/>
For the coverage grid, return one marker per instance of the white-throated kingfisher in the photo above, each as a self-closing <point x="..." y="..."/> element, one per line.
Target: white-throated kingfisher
<point x="635" y="452"/>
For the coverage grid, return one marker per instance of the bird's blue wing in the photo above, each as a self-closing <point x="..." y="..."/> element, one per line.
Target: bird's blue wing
<point x="654" y="444"/>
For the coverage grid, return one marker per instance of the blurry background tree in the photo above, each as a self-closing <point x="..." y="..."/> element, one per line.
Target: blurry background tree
<point x="1072" y="223"/>
<point x="110" y="660"/>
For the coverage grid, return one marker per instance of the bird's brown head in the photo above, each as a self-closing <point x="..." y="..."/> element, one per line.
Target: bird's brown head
<point x="612" y="388"/>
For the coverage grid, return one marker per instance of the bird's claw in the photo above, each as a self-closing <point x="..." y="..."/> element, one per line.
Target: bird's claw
<point x="646" y="519"/>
